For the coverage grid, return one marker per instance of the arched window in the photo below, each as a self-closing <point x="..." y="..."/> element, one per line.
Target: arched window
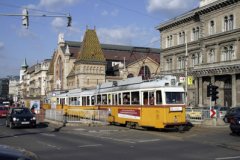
<point x="231" y="22"/>
<point x="193" y="59"/>
<point x="100" y="70"/>
<point x="183" y="35"/>
<point x="130" y="75"/>
<point x="94" y="68"/>
<point x="180" y="38"/>
<point x="60" y="68"/>
<point x="168" y="41"/>
<point x="194" y="34"/>
<point x="231" y="53"/>
<point x="87" y="69"/>
<point x="226" y="54"/>
<point x="197" y="33"/>
<point x="171" y="41"/>
<point x="226" y="23"/>
<point x="145" y="72"/>
<point x="90" y="70"/>
<point x="212" y="27"/>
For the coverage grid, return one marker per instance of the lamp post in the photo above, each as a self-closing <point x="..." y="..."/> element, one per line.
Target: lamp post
<point x="185" y="58"/>
<point x="186" y="78"/>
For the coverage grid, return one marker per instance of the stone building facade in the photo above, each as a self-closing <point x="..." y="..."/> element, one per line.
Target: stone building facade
<point x="212" y="33"/>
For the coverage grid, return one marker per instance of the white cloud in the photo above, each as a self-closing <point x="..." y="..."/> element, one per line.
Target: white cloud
<point x="120" y="35"/>
<point x="171" y="7"/>
<point x="154" y="41"/>
<point x="114" y="13"/>
<point x="1" y="45"/>
<point x="24" y="33"/>
<point x="104" y="13"/>
<point x="59" y="25"/>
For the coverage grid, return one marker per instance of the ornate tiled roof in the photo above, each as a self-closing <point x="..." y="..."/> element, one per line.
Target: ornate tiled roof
<point x="90" y="48"/>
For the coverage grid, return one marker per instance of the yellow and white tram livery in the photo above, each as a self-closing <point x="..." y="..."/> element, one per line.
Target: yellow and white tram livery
<point x="155" y="103"/>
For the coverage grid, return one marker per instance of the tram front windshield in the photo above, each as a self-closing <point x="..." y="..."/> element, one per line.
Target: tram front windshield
<point x="174" y="97"/>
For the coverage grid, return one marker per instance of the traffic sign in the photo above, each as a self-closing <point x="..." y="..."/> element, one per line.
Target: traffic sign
<point x="182" y="79"/>
<point x="213" y="113"/>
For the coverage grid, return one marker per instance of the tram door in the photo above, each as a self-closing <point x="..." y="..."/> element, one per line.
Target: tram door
<point x="145" y="98"/>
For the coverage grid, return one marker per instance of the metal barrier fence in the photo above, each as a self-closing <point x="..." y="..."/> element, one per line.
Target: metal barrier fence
<point x="77" y="115"/>
<point x="197" y="114"/>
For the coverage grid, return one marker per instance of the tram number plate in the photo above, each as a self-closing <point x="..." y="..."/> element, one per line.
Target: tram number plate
<point x="25" y="122"/>
<point x="175" y="109"/>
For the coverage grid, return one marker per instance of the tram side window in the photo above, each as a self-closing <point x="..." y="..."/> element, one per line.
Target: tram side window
<point x="174" y="97"/>
<point x="151" y="98"/>
<point x="119" y="98"/>
<point x="126" y="98"/>
<point x="115" y="99"/>
<point x="159" y="97"/>
<point x="145" y="98"/>
<point x="88" y="100"/>
<point x="135" y="98"/>
<point x="109" y="99"/>
<point x="83" y="101"/>
<point x="99" y="99"/>
<point x="92" y="100"/>
<point x="104" y="99"/>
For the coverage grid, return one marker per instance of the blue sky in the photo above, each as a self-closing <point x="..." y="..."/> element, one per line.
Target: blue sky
<point x="122" y="22"/>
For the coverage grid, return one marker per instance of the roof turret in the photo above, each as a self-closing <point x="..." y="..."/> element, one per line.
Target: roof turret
<point x="24" y="65"/>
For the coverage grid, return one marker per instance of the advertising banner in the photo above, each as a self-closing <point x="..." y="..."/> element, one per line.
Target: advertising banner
<point x="129" y="113"/>
<point x="35" y="105"/>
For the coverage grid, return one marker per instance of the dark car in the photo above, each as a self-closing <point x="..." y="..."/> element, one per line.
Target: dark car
<point x="235" y="124"/>
<point x="14" y="153"/>
<point x="20" y="116"/>
<point x="233" y="112"/>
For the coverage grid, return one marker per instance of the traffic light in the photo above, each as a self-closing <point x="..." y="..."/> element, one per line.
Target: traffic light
<point x="69" y="20"/>
<point x="25" y="18"/>
<point x="214" y="93"/>
<point x="209" y="90"/>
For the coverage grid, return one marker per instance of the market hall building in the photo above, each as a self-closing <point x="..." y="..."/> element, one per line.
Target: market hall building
<point x="212" y="33"/>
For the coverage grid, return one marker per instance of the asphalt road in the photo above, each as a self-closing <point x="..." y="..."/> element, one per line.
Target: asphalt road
<point x="49" y="144"/>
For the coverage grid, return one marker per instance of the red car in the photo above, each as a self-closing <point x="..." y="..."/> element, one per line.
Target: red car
<point x="3" y="111"/>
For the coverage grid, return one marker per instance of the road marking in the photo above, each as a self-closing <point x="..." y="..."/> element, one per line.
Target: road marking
<point x="228" y="158"/>
<point x="46" y="134"/>
<point x="150" y="140"/>
<point x="49" y="145"/>
<point x="92" y="145"/>
<point x="80" y="129"/>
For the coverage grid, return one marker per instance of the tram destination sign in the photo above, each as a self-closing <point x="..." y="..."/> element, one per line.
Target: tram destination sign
<point x="175" y="109"/>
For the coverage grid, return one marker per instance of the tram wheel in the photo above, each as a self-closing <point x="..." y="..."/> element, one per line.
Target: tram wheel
<point x="128" y="125"/>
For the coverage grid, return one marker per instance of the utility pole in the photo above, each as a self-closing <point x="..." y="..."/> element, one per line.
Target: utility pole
<point x="25" y="17"/>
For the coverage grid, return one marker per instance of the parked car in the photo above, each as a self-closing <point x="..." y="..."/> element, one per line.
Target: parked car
<point x="20" y="116"/>
<point x="235" y="124"/>
<point x="3" y="111"/>
<point x="15" y="153"/>
<point x="233" y="112"/>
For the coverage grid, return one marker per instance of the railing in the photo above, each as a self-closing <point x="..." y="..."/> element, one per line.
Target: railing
<point x="77" y="115"/>
<point x="197" y="114"/>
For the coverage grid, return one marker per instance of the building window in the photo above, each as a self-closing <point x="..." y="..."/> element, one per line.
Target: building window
<point x="130" y="75"/>
<point x="197" y="33"/>
<point x="212" y="31"/>
<point x="171" y="40"/>
<point x="88" y="81"/>
<point x="231" y="22"/>
<point x="193" y="60"/>
<point x="97" y="81"/>
<point x="231" y="53"/>
<point x="194" y="34"/>
<point x="211" y="57"/>
<point x="179" y="63"/>
<point x="183" y="35"/>
<point x="180" y="38"/>
<point x="225" y="23"/>
<point x="168" y="41"/>
<point x="170" y="63"/>
<point x="199" y="58"/>
<point x="167" y="64"/>
<point x="228" y="53"/>
<point x="145" y="72"/>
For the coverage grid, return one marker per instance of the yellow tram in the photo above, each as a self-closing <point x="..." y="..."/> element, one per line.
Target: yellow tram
<point x="155" y="103"/>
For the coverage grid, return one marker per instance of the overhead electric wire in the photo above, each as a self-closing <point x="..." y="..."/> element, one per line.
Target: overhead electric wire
<point x="130" y="10"/>
<point x="10" y="5"/>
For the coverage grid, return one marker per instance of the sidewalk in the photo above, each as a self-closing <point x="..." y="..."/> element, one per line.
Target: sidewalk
<point x="81" y="127"/>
